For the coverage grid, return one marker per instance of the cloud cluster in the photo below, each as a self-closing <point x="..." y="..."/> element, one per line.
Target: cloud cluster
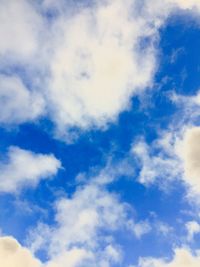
<point x="84" y="70"/>
<point x="86" y="228"/>
<point x="78" y="230"/>
<point x="24" y="168"/>
<point x="92" y="80"/>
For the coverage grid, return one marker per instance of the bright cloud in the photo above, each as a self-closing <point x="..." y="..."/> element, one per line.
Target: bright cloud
<point x="190" y="153"/>
<point x="24" y="168"/>
<point x="92" y="80"/>
<point x="83" y="83"/>
<point x="12" y="254"/>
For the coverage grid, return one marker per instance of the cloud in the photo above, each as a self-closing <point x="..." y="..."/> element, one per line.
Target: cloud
<point x="24" y="168"/>
<point x="139" y="229"/>
<point x="87" y="222"/>
<point x="89" y="211"/>
<point x="189" y="151"/>
<point x="82" y="84"/>
<point x="93" y="80"/>
<point x="188" y="106"/>
<point x="158" y="162"/>
<point x="184" y="4"/>
<point x="71" y="258"/>
<point x="182" y="258"/>
<point x="18" y="103"/>
<point x="12" y="254"/>
<point x="19" y="35"/>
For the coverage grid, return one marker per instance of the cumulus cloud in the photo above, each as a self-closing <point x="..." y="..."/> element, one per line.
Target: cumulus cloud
<point x="91" y="60"/>
<point x="92" y="80"/>
<point x="25" y="168"/>
<point x="189" y="151"/>
<point x="12" y="254"/>
<point x="182" y="258"/>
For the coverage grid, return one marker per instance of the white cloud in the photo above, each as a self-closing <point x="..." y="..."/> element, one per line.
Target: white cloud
<point x="19" y="29"/>
<point x="72" y="258"/>
<point x="189" y="151"/>
<point x="87" y="222"/>
<point x="182" y="258"/>
<point x="92" y="80"/>
<point x="12" y="254"/>
<point x="91" y="60"/>
<point x="158" y="161"/>
<point x="24" y="168"/>
<point x="80" y="221"/>
<point x="18" y="104"/>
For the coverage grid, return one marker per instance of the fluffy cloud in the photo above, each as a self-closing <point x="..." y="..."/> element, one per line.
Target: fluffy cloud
<point x="92" y="80"/>
<point x="89" y="63"/>
<point x="24" y="168"/>
<point x="182" y="258"/>
<point x="12" y="254"/>
<point x="190" y="153"/>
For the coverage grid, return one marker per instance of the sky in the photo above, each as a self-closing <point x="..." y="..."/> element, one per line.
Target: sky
<point x="100" y="133"/>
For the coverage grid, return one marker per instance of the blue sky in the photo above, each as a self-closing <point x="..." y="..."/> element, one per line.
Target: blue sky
<point x="100" y="134"/>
